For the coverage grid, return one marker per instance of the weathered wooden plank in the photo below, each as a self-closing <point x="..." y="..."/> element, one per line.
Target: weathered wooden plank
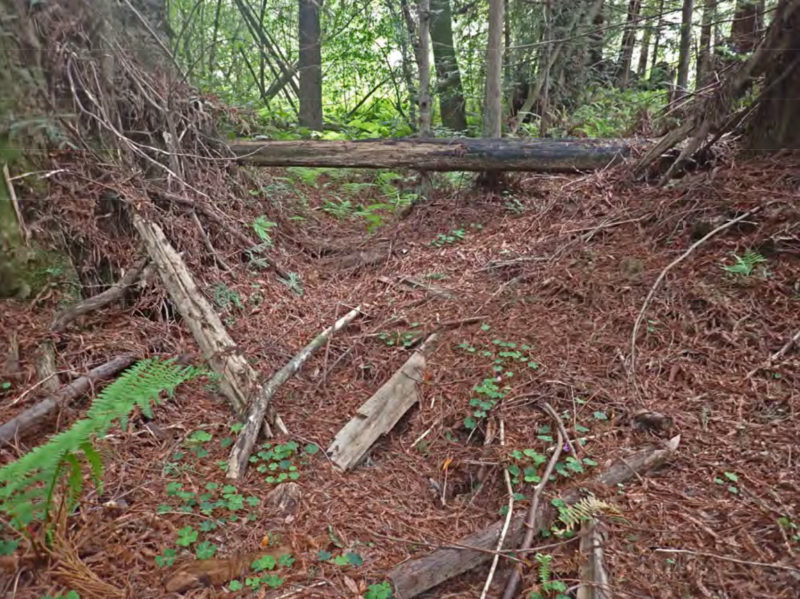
<point x="378" y="415"/>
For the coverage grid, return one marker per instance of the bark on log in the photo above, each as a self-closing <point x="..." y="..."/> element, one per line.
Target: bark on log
<point x="240" y="453"/>
<point x="378" y="415"/>
<point x="30" y="417"/>
<point x="100" y="300"/>
<point x="416" y="576"/>
<point x="457" y="154"/>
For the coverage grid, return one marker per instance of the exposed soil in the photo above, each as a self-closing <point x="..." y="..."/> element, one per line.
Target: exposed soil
<point x="562" y="266"/>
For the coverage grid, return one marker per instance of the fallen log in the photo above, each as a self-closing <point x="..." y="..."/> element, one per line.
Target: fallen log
<point x="240" y="453"/>
<point x="453" y="154"/>
<point x="100" y="300"/>
<point x="416" y="576"/>
<point x="378" y="415"/>
<point x="30" y="417"/>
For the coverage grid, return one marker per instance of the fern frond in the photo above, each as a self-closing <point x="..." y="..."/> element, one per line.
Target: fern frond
<point x="27" y="486"/>
<point x="585" y="509"/>
<point x="545" y="573"/>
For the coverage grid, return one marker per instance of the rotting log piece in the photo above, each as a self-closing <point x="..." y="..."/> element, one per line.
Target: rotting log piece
<point x="452" y="154"/>
<point x="415" y="576"/>
<point x="238" y="379"/>
<point x="378" y="415"/>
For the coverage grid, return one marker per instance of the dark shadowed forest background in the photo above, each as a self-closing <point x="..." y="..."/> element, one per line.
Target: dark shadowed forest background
<point x="389" y="299"/>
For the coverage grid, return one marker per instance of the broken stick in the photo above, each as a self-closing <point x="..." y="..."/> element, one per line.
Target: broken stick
<point x="100" y="300"/>
<point x="416" y="576"/>
<point x="240" y="454"/>
<point x="378" y="415"/>
<point x="30" y="417"/>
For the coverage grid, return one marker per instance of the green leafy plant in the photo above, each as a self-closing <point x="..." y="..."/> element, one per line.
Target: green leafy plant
<point x="728" y="478"/>
<point x="262" y="228"/>
<point x="29" y="485"/>
<point x="280" y="461"/>
<point x="294" y="282"/>
<point x="381" y="590"/>
<point x="454" y="236"/>
<point x="547" y="586"/>
<point x="745" y="264"/>
<point x="225" y="298"/>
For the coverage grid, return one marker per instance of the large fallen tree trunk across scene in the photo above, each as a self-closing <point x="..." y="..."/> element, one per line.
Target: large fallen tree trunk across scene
<point x="456" y="154"/>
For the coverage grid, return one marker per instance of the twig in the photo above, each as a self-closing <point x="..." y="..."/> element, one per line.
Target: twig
<point x="12" y="195"/>
<point x="728" y="559"/>
<point x="672" y="265"/>
<point x="240" y="453"/>
<point x="530" y="520"/>
<point x="506" y="524"/>
<point x="777" y="355"/>
<point x="100" y="300"/>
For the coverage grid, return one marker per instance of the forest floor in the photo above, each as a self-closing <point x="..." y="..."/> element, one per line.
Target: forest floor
<point x="556" y="270"/>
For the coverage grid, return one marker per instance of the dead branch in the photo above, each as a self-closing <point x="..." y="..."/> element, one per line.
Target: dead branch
<point x="673" y="264"/>
<point x="531" y="525"/>
<point x="35" y="414"/>
<point x="240" y="453"/>
<point x="110" y="295"/>
<point x="509" y="513"/>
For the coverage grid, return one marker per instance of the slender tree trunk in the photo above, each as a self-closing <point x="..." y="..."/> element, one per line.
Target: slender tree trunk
<point x="657" y="34"/>
<point x="628" y="41"/>
<point x="451" y="94"/>
<point x="597" y="39"/>
<point x="704" y="55"/>
<point x="548" y="51"/>
<point x="493" y="97"/>
<point x="310" y="65"/>
<point x="409" y="39"/>
<point x="685" y="51"/>
<point x="641" y="70"/>
<point x="424" y="60"/>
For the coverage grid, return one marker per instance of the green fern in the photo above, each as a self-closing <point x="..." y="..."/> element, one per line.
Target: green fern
<point x="545" y="572"/>
<point x="27" y="486"/>
<point x="585" y="509"/>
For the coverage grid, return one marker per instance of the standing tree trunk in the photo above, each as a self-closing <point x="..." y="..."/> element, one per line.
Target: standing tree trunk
<point x="548" y="51"/>
<point x="774" y="125"/>
<point x="597" y="39"/>
<point x="628" y="41"/>
<point x="644" y="54"/>
<point x="657" y="34"/>
<point x="424" y="66"/>
<point x="493" y="98"/>
<point x="310" y="65"/>
<point x="451" y="94"/>
<point x="685" y="51"/>
<point x="704" y="60"/>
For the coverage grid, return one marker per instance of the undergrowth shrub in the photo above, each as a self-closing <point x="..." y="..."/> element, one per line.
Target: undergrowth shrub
<point x="29" y="485"/>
